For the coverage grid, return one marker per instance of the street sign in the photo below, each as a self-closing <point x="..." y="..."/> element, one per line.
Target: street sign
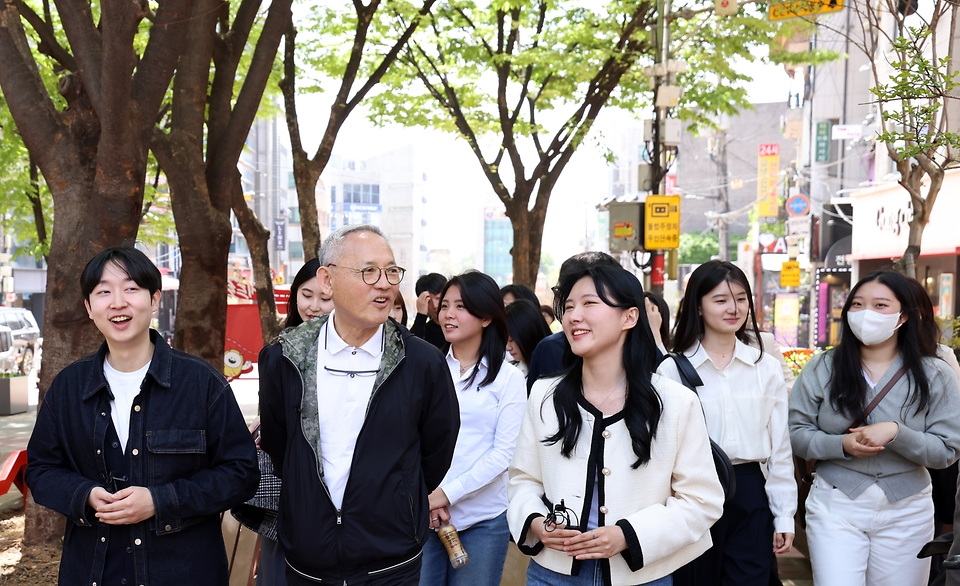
<point x="768" y="171"/>
<point x="798" y="205"/>
<point x="822" y="149"/>
<point x="790" y="274"/>
<point x="798" y="8"/>
<point x="846" y="131"/>
<point x="725" y="7"/>
<point x="799" y="226"/>
<point x="661" y="222"/>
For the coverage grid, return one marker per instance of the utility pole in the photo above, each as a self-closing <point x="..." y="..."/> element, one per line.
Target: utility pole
<point x="724" y="199"/>
<point x="662" y="76"/>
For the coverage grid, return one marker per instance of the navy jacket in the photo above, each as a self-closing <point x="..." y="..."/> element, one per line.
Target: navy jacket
<point x="402" y="453"/>
<point x="188" y="444"/>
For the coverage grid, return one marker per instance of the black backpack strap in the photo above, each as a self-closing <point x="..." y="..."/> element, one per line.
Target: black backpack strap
<point x="688" y="374"/>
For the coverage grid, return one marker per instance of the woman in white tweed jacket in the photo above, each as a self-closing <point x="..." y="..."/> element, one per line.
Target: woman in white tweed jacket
<point x="624" y="451"/>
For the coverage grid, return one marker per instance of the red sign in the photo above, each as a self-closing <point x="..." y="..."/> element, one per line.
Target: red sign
<point x="769" y="150"/>
<point x="657" y="272"/>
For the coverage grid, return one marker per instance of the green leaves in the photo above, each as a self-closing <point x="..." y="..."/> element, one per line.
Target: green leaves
<point x="913" y="97"/>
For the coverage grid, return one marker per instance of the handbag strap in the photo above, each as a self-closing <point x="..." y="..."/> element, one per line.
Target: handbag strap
<point x="883" y="393"/>
<point x="688" y="374"/>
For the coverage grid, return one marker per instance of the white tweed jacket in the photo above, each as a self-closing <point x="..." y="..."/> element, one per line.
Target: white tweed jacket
<point x="665" y="507"/>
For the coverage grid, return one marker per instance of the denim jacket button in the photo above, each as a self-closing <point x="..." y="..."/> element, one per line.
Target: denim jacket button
<point x="135" y="452"/>
<point x="103" y="540"/>
<point x="136" y="408"/>
<point x="137" y="542"/>
<point x="168" y="528"/>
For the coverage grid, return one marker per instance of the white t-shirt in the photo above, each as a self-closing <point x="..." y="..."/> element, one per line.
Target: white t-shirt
<point x="125" y="387"/>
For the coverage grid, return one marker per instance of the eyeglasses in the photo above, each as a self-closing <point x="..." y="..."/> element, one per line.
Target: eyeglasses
<point x="371" y="275"/>
<point x="350" y="373"/>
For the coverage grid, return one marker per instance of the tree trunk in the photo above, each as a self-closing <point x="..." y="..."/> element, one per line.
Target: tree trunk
<point x="258" y="240"/>
<point x="527" y="231"/>
<point x="204" y="233"/>
<point x="305" y="175"/>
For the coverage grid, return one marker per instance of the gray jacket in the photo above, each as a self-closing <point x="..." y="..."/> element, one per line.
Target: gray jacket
<point x="930" y="438"/>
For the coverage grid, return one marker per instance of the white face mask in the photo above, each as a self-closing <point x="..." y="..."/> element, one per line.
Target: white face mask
<point x="871" y="327"/>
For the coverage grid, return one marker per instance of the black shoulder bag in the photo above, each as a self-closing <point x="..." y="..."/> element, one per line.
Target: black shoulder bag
<point x="692" y="380"/>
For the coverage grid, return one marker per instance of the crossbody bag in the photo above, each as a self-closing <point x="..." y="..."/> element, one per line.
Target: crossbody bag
<point x="690" y="379"/>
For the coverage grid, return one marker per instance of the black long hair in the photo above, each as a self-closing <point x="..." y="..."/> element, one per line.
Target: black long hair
<point x="689" y="329"/>
<point x="664" y="316"/>
<point x="642" y="407"/>
<point x="520" y="292"/>
<point x="306" y="272"/>
<point x="526" y="326"/>
<point x="930" y="333"/>
<point x="848" y="388"/>
<point x="481" y="297"/>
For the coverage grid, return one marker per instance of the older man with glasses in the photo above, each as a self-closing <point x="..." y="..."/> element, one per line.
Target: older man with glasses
<point x="360" y="419"/>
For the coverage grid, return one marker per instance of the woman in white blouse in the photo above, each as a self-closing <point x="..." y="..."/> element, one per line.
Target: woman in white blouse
<point x="492" y="395"/>
<point x="612" y="481"/>
<point x="744" y="400"/>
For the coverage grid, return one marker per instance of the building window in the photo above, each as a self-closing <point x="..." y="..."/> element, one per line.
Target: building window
<point x="296" y="249"/>
<point x="361" y="193"/>
<point x="291" y="181"/>
<point x="333" y="194"/>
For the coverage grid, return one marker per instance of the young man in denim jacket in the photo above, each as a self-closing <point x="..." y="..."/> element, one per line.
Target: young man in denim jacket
<point x="140" y="446"/>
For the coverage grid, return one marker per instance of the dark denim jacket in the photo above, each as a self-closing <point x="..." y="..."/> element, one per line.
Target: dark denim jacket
<point x="188" y="444"/>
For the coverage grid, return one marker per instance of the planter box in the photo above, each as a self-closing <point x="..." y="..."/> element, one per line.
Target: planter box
<point x="13" y="395"/>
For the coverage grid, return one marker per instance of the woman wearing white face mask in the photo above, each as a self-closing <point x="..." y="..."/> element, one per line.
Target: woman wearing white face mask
<point x="870" y="509"/>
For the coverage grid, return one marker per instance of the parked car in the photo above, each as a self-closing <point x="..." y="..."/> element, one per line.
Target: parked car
<point x="8" y="351"/>
<point x="25" y="331"/>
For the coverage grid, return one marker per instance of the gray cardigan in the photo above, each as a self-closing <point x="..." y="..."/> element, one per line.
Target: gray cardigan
<point x="930" y="438"/>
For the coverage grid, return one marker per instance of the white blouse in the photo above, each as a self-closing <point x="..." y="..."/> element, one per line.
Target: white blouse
<point x="745" y="407"/>
<point x="490" y="416"/>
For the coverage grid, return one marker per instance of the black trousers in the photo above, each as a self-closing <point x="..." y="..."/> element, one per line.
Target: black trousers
<point x="742" y="552"/>
<point x="408" y="575"/>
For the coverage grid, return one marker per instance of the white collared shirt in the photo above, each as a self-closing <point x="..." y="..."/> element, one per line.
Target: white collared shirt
<point x="342" y="400"/>
<point x="745" y="407"/>
<point x="490" y="416"/>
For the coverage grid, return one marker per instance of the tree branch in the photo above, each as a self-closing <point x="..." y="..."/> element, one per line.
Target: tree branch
<point x="168" y="35"/>
<point x="248" y="102"/>
<point x="48" y="40"/>
<point x="228" y="50"/>
<point x="87" y="46"/>
<point x="24" y="92"/>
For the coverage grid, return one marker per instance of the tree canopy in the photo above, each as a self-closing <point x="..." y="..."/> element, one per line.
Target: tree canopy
<point x="523" y="82"/>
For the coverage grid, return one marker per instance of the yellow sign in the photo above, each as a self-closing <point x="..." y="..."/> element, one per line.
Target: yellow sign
<point x="623" y="230"/>
<point x="797" y="8"/>
<point x="661" y="222"/>
<point x="790" y="274"/>
<point x="768" y="172"/>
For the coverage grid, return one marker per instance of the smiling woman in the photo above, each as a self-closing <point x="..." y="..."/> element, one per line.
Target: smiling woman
<point x="492" y="395"/>
<point x="612" y="473"/>
<point x="744" y="400"/>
